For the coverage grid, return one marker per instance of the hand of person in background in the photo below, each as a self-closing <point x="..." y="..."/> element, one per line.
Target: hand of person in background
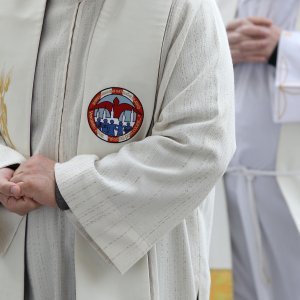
<point x="36" y="180"/>
<point x="252" y="39"/>
<point x="18" y="205"/>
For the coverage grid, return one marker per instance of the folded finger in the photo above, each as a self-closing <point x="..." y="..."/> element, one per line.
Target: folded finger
<point x="18" y="178"/>
<point x="16" y="191"/>
<point x="236" y="24"/>
<point x="255" y="59"/>
<point x="26" y="189"/>
<point x="260" y="21"/>
<point x="235" y="38"/>
<point x="22" y="206"/>
<point x="254" y="31"/>
<point x="253" y="45"/>
<point x="237" y="57"/>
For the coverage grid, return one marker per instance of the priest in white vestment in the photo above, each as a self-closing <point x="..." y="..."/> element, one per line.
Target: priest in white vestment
<point x="261" y="182"/>
<point x="116" y="121"/>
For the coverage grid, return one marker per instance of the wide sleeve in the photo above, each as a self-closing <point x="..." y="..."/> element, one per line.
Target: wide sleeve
<point x="287" y="91"/>
<point x="127" y="201"/>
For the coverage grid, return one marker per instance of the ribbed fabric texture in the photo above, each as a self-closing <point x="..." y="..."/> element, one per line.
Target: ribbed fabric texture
<point x="50" y="236"/>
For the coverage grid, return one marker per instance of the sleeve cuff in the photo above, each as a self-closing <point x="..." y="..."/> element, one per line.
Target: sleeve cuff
<point x="287" y="84"/>
<point x="10" y="157"/>
<point x="287" y="73"/>
<point x="273" y="58"/>
<point x="60" y="201"/>
<point x="14" y="167"/>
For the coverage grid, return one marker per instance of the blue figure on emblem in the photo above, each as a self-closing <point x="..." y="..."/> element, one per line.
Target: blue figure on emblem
<point x="127" y="128"/>
<point x="99" y="124"/>
<point x="105" y="125"/>
<point x="111" y="128"/>
<point x="120" y="129"/>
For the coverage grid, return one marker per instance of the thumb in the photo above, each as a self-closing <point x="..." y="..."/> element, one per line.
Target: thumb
<point x="260" y="21"/>
<point x="6" y="188"/>
<point x="15" y="190"/>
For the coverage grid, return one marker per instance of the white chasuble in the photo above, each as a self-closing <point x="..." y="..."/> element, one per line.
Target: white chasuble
<point x="118" y="106"/>
<point x="152" y="144"/>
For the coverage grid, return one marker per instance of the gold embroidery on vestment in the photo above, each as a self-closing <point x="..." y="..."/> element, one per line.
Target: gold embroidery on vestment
<point x="5" y="80"/>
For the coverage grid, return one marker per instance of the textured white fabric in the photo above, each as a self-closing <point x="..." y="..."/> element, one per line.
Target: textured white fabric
<point x="287" y="110"/>
<point x="7" y="232"/>
<point x="289" y="184"/>
<point x="228" y="9"/>
<point x="173" y="170"/>
<point x="12" y="266"/>
<point x="287" y="93"/>
<point x="139" y="174"/>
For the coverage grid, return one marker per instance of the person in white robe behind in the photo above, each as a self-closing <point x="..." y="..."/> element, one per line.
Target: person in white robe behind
<point x="263" y="217"/>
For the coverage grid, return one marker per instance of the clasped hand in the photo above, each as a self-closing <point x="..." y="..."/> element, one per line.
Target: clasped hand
<point x="29" y="187"/>
<point x="252" y="39"/>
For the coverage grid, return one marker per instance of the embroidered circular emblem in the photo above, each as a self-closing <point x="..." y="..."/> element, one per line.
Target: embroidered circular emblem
<point x="115" y="115"/>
